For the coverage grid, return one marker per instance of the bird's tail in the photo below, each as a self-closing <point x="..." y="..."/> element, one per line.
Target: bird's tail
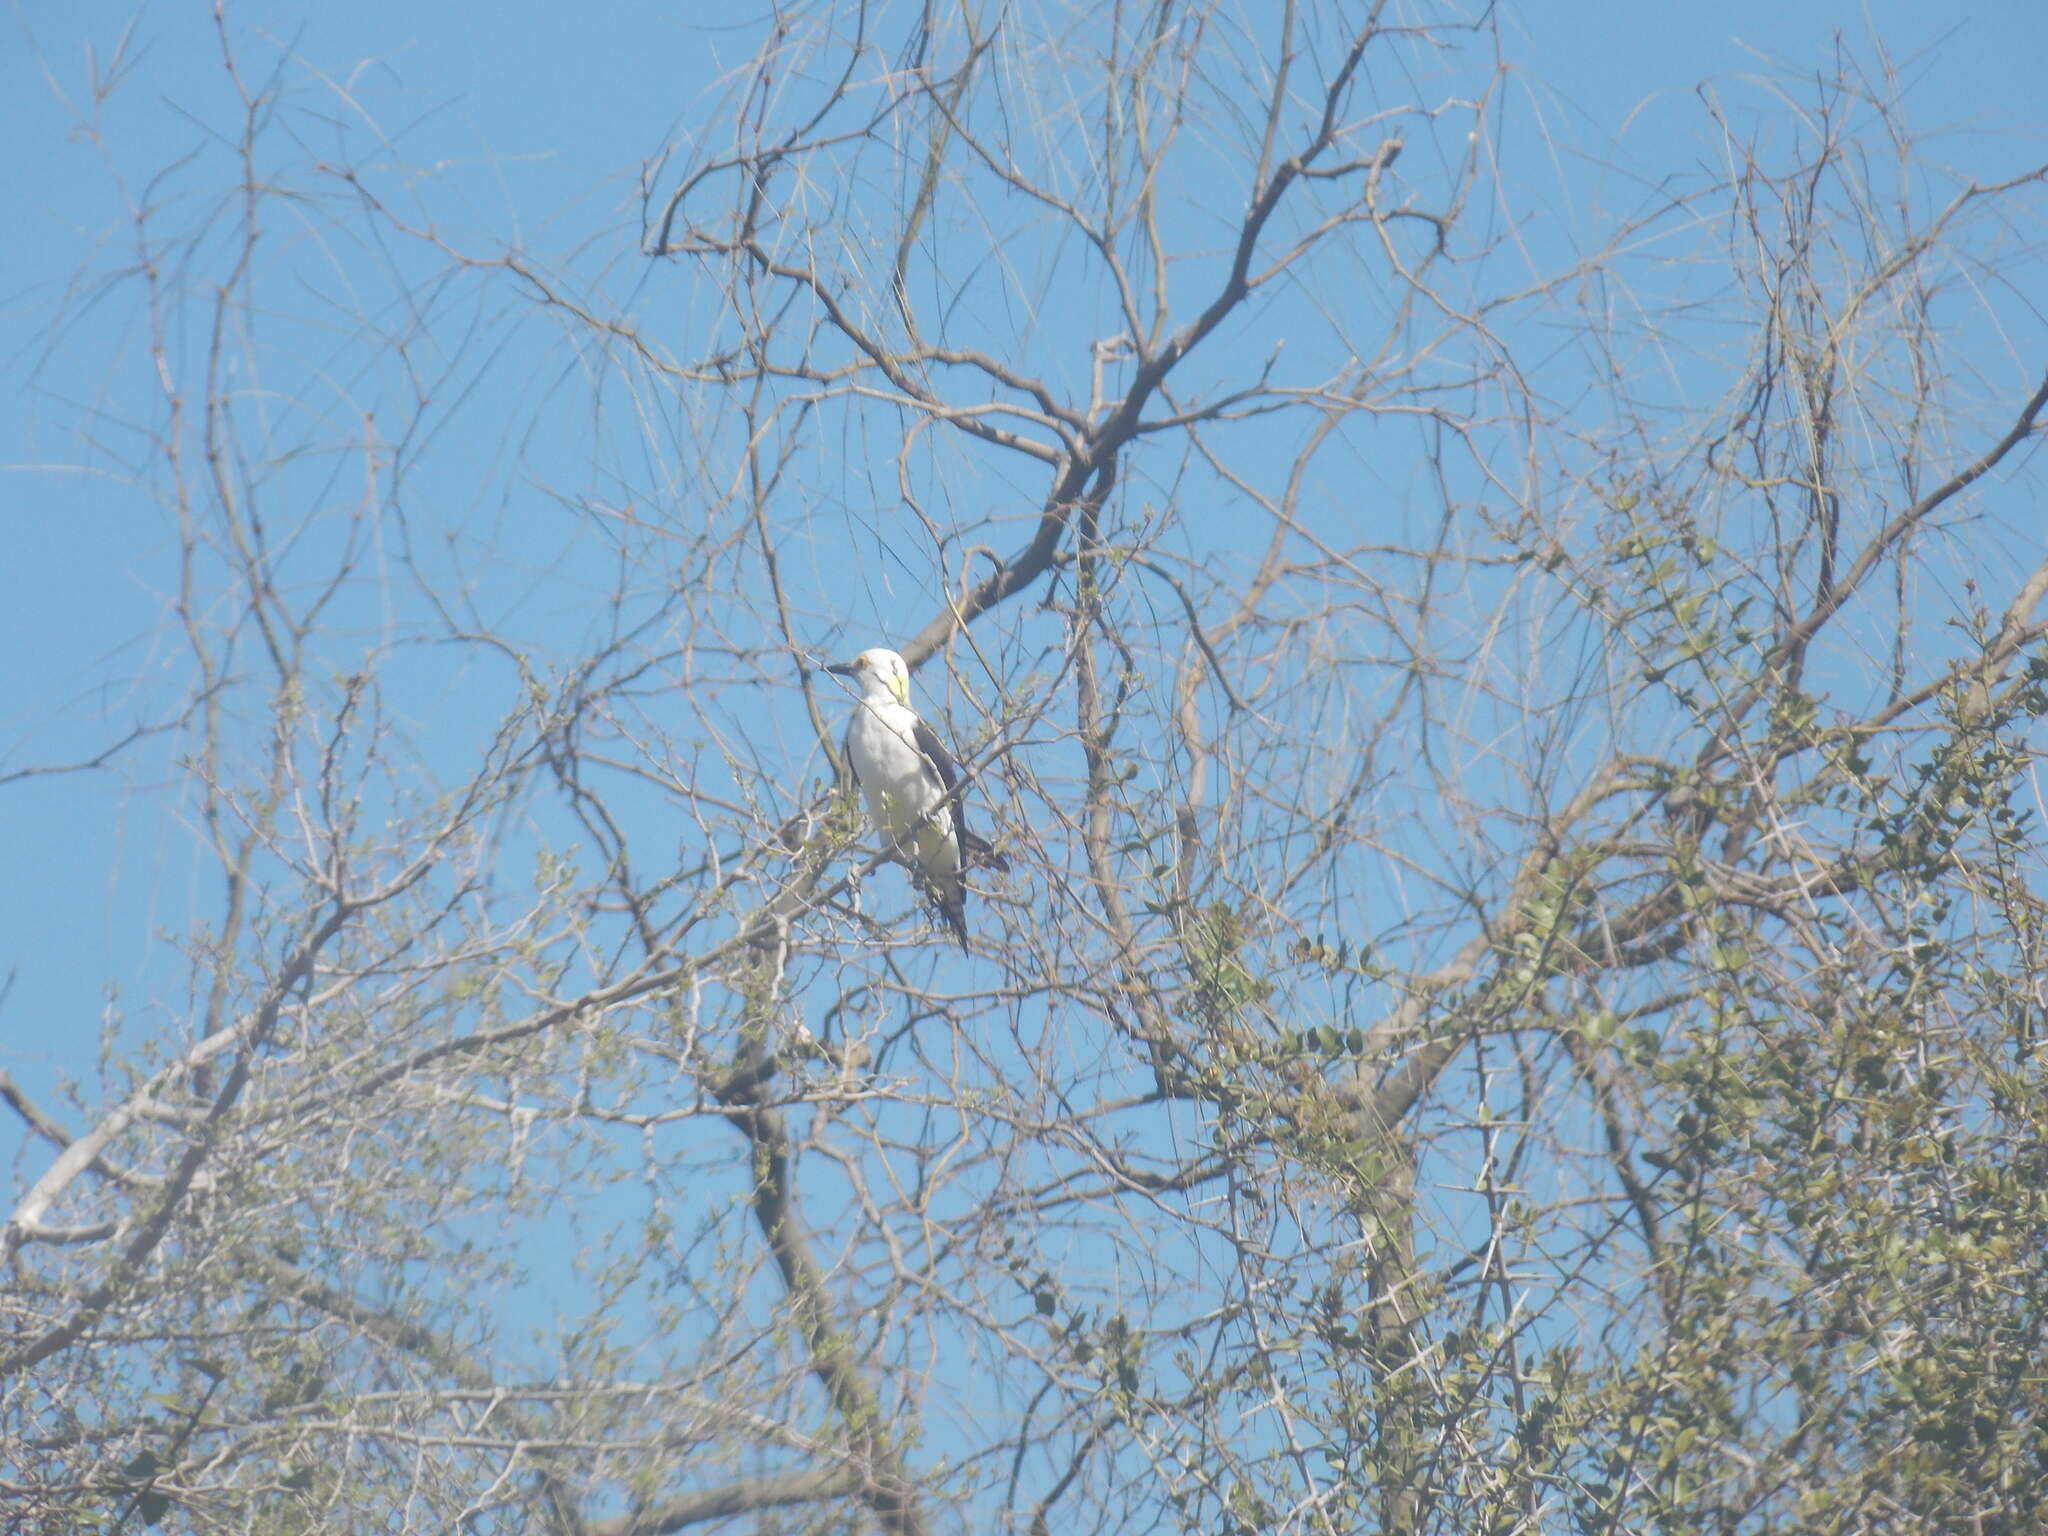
<point x="950" y="896"/>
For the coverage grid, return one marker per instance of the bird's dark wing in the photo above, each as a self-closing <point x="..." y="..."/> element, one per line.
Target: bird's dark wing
<point x="941" y="761"/>
<point x="937" y="758"/>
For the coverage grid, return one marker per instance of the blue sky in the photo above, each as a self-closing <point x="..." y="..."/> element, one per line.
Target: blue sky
<point x="534" y="123"/>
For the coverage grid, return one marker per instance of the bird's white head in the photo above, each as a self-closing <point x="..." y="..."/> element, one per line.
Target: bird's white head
<point x="878" y="671"/>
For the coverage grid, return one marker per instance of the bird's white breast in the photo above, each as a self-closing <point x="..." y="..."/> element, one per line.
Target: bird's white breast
<point x="899" y="789"/>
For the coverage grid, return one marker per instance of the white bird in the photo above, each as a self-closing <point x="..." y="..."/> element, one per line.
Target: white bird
<point x="911" y="784"/>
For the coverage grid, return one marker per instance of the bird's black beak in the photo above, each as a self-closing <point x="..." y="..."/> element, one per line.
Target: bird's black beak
<point x="843" y="668"/>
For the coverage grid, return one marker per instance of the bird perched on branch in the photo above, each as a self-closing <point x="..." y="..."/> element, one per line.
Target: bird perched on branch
<point x="911" y="784"/>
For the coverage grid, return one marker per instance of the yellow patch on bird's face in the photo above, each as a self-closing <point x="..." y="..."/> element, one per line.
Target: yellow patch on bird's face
<point x="890" y="670"/>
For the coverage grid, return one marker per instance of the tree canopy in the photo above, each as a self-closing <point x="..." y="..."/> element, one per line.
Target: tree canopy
<point x="1516" y="1001"/>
